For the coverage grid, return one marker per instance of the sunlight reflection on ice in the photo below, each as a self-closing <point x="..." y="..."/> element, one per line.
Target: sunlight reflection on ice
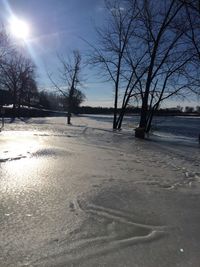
<point x="20" y="169"/>
<point x="18" y="144"/>
<point x="21" y="175"/>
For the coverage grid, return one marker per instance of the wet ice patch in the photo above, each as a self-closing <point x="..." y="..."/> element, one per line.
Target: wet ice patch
<point x="11" y="155"/>
<point x="51" y="152"/>
<point x="2" y="160"/>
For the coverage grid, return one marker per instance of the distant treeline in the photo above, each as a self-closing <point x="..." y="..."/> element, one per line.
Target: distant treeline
<point x="51" y="104"/>
<point x="103" y="110"/>
<point x="29" y="112"/>
<point x="136" y="110"/>
<point x="5" y="97"/>
<point x="39" y="112"/>
<point x="41" y="100"/>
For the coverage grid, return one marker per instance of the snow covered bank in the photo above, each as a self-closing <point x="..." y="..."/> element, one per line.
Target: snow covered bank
<point x="83" y="195"/>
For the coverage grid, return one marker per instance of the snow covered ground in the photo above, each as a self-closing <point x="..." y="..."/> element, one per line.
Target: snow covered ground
<point x="82" y="195"/>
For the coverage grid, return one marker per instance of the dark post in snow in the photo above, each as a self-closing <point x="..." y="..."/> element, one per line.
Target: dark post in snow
<point x="2" y="117"/>
<point x="69" y="118"/>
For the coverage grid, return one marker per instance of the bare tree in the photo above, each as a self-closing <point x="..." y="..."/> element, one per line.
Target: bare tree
<point x="5" y="51"/>
<point x="18" y="77"/>
<point x="29" y="89"/>
<point x="5" y="45"/>
<point x="144" y="51"/>
<point x="17" y="73"/>
<point x="192" y="9"/>
<point x="69" y="72"/>
<point x="113" y="42"/>
<point x="160" y="31"/>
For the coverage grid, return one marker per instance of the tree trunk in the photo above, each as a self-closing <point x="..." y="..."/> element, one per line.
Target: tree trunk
<point x="140" y="133"/>
<point x="120" y="119"/>
<point x="14" y="98"/>
<point x="150" y="118"/>
<point x="69" y="118"/>
<point x="70" y="106"/>
<point x="148" y="128"/>
<point x="69" y="110"/>
<point x="115" y="109"/>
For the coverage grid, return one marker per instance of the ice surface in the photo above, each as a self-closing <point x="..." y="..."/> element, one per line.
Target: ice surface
<point x="83" y="195"/>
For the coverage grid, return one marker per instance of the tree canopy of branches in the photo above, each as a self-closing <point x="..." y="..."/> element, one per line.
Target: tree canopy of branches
<point x="150" y="54"/>
<point x="56" y="101"/>
<point x="113" y="40"/>
<point x="70" y="82"/>
<point x="17" y="73"/>
<point x="50" y="100"/>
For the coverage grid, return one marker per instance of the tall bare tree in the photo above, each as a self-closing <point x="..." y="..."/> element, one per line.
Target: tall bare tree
<point x="145" y="51"/>
<point x="17" y="73"/>
<point x="113" y="41"/>
<point x="192" y="9"/>
<point x="5" y="51"/>
<point x="161" y="32"/>
<point x="69" y="72"/>
<point x="18" y="77"/>
<point x="5" y="45"/>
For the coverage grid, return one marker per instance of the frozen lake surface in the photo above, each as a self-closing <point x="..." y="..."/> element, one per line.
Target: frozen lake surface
<point x="185" y="127"/>
<point x="82" y="195"/>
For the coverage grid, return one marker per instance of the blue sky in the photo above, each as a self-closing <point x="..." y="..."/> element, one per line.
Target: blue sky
<point x="58" y="26"/>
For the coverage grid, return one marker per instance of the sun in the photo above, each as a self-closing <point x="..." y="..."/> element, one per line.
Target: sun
<point x="19" y="28"/>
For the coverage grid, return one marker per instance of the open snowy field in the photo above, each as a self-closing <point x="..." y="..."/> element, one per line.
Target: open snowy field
<point x="83" y="195"/>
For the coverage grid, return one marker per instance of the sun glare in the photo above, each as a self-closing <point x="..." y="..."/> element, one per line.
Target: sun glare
<point x="19" y="28"/>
